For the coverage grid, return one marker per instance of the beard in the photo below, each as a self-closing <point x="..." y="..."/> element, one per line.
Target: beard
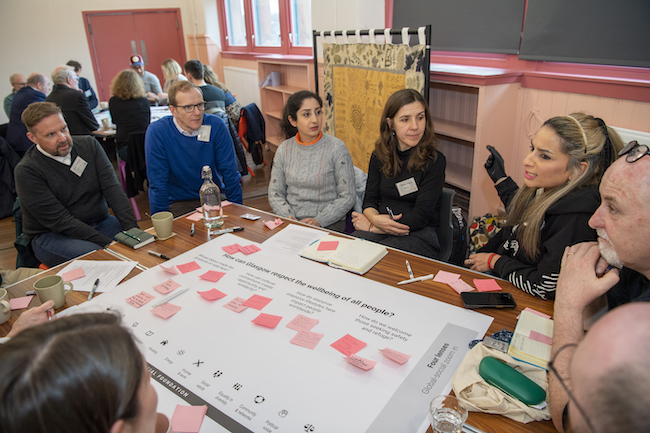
<point x="607" y="250"/>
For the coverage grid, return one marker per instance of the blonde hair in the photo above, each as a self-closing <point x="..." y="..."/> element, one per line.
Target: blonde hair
<point x="211" y="78"/>
<point x="171" y="69"/>
<point x="128" y="85"/>
<point x="598" y="151"/>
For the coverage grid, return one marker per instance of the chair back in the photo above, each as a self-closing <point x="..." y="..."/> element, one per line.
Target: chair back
<point x="446" y="227"/>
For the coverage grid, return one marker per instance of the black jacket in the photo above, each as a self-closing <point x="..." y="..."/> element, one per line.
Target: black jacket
<point x="75" y="109"/>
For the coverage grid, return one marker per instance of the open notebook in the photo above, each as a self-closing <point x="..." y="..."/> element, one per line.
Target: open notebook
<point x="531" y="341"/>
<point x="354" y="255"/>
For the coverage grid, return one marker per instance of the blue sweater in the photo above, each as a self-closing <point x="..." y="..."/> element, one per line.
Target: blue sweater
<point x="174" y="162"/>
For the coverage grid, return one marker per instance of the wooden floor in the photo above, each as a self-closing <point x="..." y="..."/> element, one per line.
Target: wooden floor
<point x="255" y="195"/>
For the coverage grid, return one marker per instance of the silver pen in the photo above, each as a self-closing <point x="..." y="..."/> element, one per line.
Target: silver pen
<point x="92" y="291"/>
<point x="170" y="297"/>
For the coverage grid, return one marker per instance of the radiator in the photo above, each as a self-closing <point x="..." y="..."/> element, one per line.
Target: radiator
<point x="242" y="82"/>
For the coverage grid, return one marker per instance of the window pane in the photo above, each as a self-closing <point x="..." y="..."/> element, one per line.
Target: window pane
<point x="236" y="22"/>
<point x="301" y="23"/>
<point x="266" y="19"/>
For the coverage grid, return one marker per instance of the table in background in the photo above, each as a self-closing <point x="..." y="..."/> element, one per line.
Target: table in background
<point x="389" y="270"/>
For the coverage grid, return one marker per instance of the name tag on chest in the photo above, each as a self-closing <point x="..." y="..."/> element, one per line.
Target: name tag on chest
<point x="204" y="133"/>
<point x="407" y="186"/>
<point x="78" y="166"/>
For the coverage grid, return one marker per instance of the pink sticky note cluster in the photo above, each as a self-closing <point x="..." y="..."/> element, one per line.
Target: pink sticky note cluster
<point x="362" y="363"/>
<point x="328" y="245"/>
<point x="446" y="277"/>
<point x="302" y="323"/>
<point x="236" y="305"/>
<point x="188" y="419"/>
<point x="348" y="345"/>
<point x="257" y="302"/>
<point x="73" y="274"/>
<point x="267" y="320"/>
<point x="212" y="295"/>
<point x="20" y="303"/>
<point x="166" y="310"/>
<point x="236" y="248"/>
<point x="395" y="356"/>
<point x="188" y="267"/>
<point x="273" y="224"/>
<point x="196" y="216"/>
<point x="223" y="204"/>
<point x="139" y="299"/>
<point x="212" y="276"/>
<point x="488" y="285"/>
<point x="307" y="339"/>
<point x="166" y="287"/>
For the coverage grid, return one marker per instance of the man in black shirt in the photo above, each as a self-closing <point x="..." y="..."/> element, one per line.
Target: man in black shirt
<point x="213" y="96"/>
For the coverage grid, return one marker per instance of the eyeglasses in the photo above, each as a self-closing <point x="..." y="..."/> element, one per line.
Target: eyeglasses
<point x="551" y="368"/>
<point x="190" y="108"/>
<point x="634" y="151"/>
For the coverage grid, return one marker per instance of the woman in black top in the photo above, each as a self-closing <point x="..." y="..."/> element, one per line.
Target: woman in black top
<point x="129" y="108"/>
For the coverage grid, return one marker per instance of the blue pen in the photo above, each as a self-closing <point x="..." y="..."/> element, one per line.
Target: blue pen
<point x="390" y="212"/>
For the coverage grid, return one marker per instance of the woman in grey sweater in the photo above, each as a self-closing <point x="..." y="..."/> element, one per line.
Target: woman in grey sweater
<point x="312" y="179"/>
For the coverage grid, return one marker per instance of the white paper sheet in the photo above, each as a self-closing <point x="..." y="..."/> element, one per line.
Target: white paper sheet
<point x="109" y="272"/>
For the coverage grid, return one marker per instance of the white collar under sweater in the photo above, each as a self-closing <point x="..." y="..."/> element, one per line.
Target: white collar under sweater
<point x="67" y="160"/>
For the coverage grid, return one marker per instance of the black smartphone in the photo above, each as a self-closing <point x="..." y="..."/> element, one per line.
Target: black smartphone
<point x="488" y="300"/>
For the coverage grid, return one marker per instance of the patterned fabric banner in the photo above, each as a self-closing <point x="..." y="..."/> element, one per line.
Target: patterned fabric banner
<point x="359" y="78"/>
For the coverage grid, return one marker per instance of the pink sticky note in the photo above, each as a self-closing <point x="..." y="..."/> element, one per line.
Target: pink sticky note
<point x="460" y="286"/>
<point x="73" y="274"/>
<point x="169" y="269"/>
<point x="249" y="249"/>
<point x="538" y="313"/>
<point x="273" y="224"/>
<point x="223" y="204"/>
<point x="257" y="302"/>
<point x="328" y="245"/>
<point x="362" y="363"/>
<point x="395" y="356"/>
<point x="212" y="295"/>
<point x="536" y="336"/>
<point x="306" y="339"/>
<point x="194" y="217"/>
<point x="236" y="305"/>
<point x="268" y="320"/>
<point x="188" y="419"/>
<point x="489" y="285"/>
<point x="188" y="267"/>
<point x="302" y="323"/>
<point x="231" y="249"/>
<point x="166" y="286"/>
<point x="139" y="299"/>
<point x="445" y="277"/>
<point x="348" y="345"/>
<point x="20" y="303"/>
<point x="213" y="276"/>
<point x="166" y="310"/>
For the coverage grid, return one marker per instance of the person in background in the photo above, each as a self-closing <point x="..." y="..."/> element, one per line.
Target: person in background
<point x="213" y="96"/>
<point x="84" y="85"/>
<point x="567" y="159"/>
<point x="178" y="146"/>
<point x="17" y="82"/>
<point x="72" y="102"/>
<point x="129" y="108"/>
<point x="405" y="176"/>
<point x="38" y="86"/>
<point x="151" y="82"/>
<point x="233" y="108"/>
<point x="312" y="178"/>
<point x="82" y="373"/>
<point x="173" y="73"/>
<point x="65" y="187"/>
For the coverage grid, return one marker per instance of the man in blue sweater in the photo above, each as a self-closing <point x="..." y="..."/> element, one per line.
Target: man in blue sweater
<point x="177" y="147"/>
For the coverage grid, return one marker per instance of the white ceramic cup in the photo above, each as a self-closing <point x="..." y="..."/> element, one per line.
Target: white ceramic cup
<point x="5" y="307"/>
<point x="163" y="223"/>
<point x="52" y="287"/>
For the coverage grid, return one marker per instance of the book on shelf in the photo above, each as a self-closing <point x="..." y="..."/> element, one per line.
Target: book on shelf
<point x="134" y="238"/>
<point x="354" y="255"/>
<point x="532" y="339"/>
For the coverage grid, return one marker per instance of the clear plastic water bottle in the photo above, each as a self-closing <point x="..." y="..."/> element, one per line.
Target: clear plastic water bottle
<point x="210" y="200"/>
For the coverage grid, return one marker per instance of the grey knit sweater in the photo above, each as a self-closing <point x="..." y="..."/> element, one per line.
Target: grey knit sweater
<point x="313" y="181"/>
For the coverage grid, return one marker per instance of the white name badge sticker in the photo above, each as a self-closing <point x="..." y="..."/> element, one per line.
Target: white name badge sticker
<point x="88" y="93"/>
<point x="407" y="186"/>
<point x="204" y="133"/>
<point x="78" y="166"/>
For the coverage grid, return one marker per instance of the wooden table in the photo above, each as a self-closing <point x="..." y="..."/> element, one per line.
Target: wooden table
<point x="389" y="271"/>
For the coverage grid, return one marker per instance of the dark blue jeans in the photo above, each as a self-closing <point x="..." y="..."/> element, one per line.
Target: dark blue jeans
<point x="53" y="249"/>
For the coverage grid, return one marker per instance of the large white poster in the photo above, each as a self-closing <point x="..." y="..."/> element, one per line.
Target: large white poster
<point x="251" y="374"/>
